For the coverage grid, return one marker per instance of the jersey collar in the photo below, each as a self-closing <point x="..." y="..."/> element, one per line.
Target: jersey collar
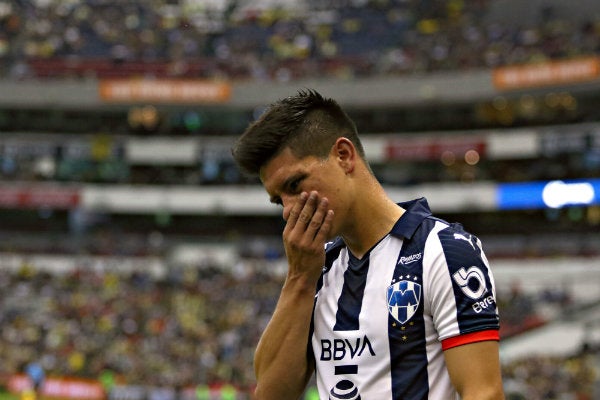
<point x="416" y="211"/>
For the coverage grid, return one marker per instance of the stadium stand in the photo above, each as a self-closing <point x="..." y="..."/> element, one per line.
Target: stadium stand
<point x="130" y="270"/>
<point x="279" y="42"/>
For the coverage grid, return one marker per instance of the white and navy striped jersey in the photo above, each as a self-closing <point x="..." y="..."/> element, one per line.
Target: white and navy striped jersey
<point x="381" y="323"/>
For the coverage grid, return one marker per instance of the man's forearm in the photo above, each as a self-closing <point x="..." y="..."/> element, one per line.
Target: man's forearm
<point x="281" y="364"/>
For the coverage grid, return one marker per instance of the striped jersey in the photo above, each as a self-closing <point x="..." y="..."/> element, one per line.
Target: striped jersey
<point x="381" y="323"/>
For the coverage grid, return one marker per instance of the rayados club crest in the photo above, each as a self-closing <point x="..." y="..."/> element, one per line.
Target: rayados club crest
<point x="403" y="299"/>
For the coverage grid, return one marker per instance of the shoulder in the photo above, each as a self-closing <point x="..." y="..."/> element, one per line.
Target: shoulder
<point x="455" y="240"/>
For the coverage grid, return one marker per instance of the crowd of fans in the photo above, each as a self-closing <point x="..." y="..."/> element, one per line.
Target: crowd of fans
<point x="249" y="40"/>
<point x="193" y="326"/>
<point x="553" y="378"/>
<point x="196" y="327"/>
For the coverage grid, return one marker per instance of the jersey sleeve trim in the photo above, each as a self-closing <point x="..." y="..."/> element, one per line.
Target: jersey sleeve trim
<point x="473" y="337"/>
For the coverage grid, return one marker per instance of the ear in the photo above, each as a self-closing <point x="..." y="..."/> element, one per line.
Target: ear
<point x="345" y="153"/>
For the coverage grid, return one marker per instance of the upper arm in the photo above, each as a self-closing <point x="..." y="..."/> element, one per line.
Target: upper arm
<point x="474" y="370"/>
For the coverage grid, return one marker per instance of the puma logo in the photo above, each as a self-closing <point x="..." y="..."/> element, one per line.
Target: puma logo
<point x="460" y="236"/>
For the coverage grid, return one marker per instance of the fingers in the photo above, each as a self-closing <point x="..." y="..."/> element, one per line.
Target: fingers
<point x="308" y="211"/>
<point x="310" y="217"/>
<point x="304" y="236"/>
<point x="296" y="209"/>
<point x="315" y="224"/>
<point x="322" y="234"/>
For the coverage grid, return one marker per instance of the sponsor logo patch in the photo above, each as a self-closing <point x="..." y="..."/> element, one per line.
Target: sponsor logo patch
<point x="404" y="260"/>
<point x="471" y="281"/>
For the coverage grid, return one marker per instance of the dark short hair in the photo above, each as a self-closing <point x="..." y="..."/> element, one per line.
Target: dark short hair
<point x="306" y="123"/>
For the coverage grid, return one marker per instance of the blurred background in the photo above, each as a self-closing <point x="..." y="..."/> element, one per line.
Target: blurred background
<point x="137" y="262"/>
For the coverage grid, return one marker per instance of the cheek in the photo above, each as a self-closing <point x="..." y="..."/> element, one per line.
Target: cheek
<point x="341" y="206"/>
<point x="337" y="199"/>
<point x="337" y="219"/>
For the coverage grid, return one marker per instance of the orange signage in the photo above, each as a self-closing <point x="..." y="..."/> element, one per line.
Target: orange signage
<point x="163" y="91"/>
<point x="547" y="73"/>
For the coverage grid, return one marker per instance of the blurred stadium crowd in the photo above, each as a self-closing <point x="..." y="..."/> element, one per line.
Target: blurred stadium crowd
<point x="276" y="42"/>
<point x="199" y="324"/>
<point x="195" y="327"/>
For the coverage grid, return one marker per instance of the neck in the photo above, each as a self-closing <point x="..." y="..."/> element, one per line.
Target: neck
<point x="372" y="219"/>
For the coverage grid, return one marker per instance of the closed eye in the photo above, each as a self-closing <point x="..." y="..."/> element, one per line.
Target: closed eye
<point x="294" y="185"/>
<point x="291" y="186"/>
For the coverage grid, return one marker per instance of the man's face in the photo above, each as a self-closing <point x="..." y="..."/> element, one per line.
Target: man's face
<point x="285" y="177"/>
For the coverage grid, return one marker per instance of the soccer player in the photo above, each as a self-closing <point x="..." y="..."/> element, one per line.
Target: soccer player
<point x="381" y="299"/>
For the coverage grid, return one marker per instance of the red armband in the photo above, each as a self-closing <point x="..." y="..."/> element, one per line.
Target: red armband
<point x="473" y="337"/>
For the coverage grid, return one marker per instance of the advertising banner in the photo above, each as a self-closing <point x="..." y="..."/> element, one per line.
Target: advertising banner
<point x="170" y="91"/>
<point x="546" y="73"/>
